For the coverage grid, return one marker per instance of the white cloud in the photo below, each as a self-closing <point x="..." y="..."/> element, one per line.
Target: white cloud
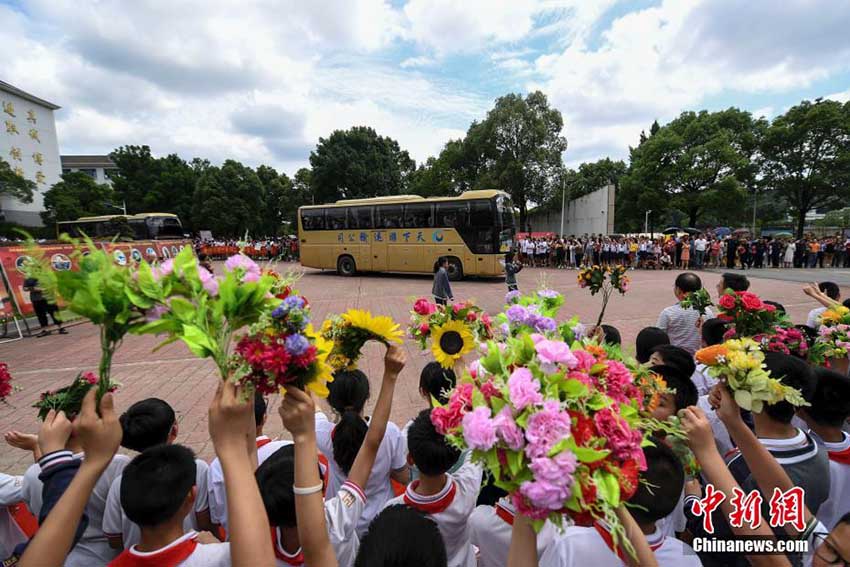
<point x="420" y="61"/>
<point x="764" y="112"/>
<point x="843" y="96"/>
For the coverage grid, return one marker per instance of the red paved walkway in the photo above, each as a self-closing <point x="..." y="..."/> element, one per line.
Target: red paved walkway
<point x="187" y="383"/>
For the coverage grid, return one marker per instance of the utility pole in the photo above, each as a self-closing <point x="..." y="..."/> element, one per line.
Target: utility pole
<point x="563" y="201"/>
<point x="646" y="221"/>
<point x="755" y="204"/>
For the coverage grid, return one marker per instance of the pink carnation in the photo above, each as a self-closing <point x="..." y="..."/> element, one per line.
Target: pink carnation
<point x="488" y="388"/>
<point x="618" y="379"/>
<point x="584" y="360"/>
<point x="508" y="431"/>
<point x="424" y="307"/>
<point x="89" y="377"/>
<point x="447" y="418"/>
<point x="545" y="495"/>
<point x="250" y="269"/>
<point x="471" y="316"/>
<point x="558" y="469"/>
<point x="479" y="431"/>
<point x="553" y="353"/>
<point x="545" y="428"/>
<point x="524" y="389"/>
<point x="623" y="441"/>
<point x="208" y="280"/>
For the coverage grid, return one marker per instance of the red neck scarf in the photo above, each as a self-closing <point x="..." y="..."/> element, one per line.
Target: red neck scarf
<point x="842" y="456"/>
<point x="505" y="514"/>
<point x="434" y="507"/>
<point x="171" y="557"/>
<point x="296" y="560"/>
<point x="609" y="541"/>
<point x="262" y="441"/>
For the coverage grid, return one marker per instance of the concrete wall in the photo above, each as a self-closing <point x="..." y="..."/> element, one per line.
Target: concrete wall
<point x="28" y="144"/>
<point x="590" y="214"/>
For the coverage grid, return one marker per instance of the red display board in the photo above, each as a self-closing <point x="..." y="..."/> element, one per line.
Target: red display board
<point x="12" y="259"/>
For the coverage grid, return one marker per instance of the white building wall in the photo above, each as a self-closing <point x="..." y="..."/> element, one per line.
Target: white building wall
<point x="591" y="214"/>
<point x="28" y="143"/>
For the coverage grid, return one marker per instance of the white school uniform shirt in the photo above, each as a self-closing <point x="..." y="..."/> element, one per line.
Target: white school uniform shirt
<point x="392" y="455"/>
<point x="11" y="492"/>
<point x="450" y="509"/>
<point x="342" y="513"/>
<point x="215" y="481"/>
<point x="580" y="546"/>
<point x="813" y="320"/>
<point x="204" y="555"/>
<point x="702" y="380"/>
<point x="116" y="522"/>
<point x="721" y="435"/>
<point x="490" y="531"/>
<point x="93" y="547"/>
<point x="838" y="502"/>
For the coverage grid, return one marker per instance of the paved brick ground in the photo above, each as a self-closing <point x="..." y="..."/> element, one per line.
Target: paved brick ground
<point x="187" y="383"/>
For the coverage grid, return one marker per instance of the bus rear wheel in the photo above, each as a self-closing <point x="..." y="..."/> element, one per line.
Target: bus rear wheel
<point x="345" y="266"/>
<point x="455" y="270"/>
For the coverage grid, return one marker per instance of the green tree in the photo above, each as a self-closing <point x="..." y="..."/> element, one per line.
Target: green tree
<point x="14" y="185"/>
<point x="300" y="194"/>
<point x="278" y="189"/>
<point x="838" y="218"/>
<point x="523" y="146"/>
<point x="229" y="200"/>
<point x="358" y="163"/>
<point x="699" y="163"/>
<point x="806" y="157"/>
<point x="77" y="195"/>
<point x="595" y="175"/>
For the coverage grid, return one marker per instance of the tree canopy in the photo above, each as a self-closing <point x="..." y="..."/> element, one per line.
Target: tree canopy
<point x="76" y="195"/>
<point x="14" y="185"/>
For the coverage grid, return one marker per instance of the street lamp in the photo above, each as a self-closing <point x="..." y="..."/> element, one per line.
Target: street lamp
<point x="122" y="208"/>
<point x="646" y="221"/>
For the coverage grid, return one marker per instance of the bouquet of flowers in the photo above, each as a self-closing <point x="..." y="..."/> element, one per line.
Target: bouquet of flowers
<point x="748" y="315"/>
<point x="453" y="330"/>
<point x="69" y="398"/>
<point x="186" y="302"/>
<point x="282" y="348"/>
<point x="740" y="364"/>
<point x="96" y="291"/>
<point x="605" y="279"/>
<point x="6" y="387"/>
<point x="557" y="428"/>
<point x="785" y="340"/>
<point x="351" y="330"/>
<point x="834" y="332"/>
<point x="548" y="301"/>
<point x="700" y="300"/>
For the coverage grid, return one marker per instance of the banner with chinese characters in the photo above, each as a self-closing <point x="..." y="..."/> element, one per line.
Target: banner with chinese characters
<point x="13" y="259"/>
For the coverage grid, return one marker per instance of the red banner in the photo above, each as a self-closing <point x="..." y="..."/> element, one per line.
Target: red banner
<point x="13" y="258"/>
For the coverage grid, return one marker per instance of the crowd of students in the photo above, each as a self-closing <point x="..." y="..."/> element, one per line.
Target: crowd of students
<point x="281" y="248"/>
<point x="355" y="490"/>
<point x="684" y="251"/>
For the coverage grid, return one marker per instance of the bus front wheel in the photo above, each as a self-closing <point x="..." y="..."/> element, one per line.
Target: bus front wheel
<point x="345" y="266"/>
<point x="455" y="269"/>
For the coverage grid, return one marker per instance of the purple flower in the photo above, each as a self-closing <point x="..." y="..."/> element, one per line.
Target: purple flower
<point x="512" y="296"/>
<point x="155" y="313"/>
<point x="164" y="269"/>
<point x="250" y="269"/>
<point x="209" y="281"/>
<point x="541" y="323"/>
<point x="293" y="302"/>
<point x="517" y="314"/>
<point x="545" y="428"/>
<point x="297" y="344"/>
<point x="548" y="293"/>
<point x="524" y="389"/>
<point x="505" y="329"/>
<point x="508" y="431"/>
<point x="479" y="431"/>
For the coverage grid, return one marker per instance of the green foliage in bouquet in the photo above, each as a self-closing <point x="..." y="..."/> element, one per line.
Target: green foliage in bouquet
<point x="700" y="300"/>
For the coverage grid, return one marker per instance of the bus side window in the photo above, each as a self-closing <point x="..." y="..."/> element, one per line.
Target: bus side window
<point x="313" y="219"/>
<point x="360" y="218"/>
<point x="417" y="216"/>
<point x="451" y="214"/>
<point x="388" y="216"/>
<point x="481" y="213"/>
<point x="336" y="218"/>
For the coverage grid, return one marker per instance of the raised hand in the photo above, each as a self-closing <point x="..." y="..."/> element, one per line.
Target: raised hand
<point x="698" y="429"/>
<point x="54" y="432"/>
<point x="297" y="411"/>
<point x="100" y="435"/>
<point x="394" y="360"/>
<point x="231" y="419"/>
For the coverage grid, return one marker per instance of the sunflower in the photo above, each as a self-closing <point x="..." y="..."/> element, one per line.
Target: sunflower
<point x="451" y="341"/>
<point x="382" y="327"/>
<point x="323" y="371"/>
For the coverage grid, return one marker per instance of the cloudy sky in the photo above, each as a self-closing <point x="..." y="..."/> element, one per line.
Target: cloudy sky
<point x="261" y="81"/>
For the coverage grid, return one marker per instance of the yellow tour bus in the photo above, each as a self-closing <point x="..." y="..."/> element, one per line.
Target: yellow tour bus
<point x="408" y="233"/>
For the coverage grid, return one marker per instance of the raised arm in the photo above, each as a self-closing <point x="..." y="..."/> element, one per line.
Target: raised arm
<point x="523" y="549"/>
<point x="296" y="412"/>
<point x="813" y="291"/>
<point x="231" y="420"/>
<point x="394" y="362"/>
<point x="100" y="437"/>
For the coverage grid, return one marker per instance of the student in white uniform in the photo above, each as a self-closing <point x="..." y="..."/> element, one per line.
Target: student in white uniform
<point x="341" y="441"/>
<point x="145" y="424"/>
<point x="448" y="499"/>
<point x="10" y="533"/>
<point x="93" y="547"/>
<point x="582" y="546"/>
<point x="825" y="417"/>
<point x="276" y="477"/>
<point x="490" y="530"/>
<point x="215" y="476"/>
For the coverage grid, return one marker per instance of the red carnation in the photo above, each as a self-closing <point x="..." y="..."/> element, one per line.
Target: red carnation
<point x="628" y="479"/>
<point x="583" y="430"/>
